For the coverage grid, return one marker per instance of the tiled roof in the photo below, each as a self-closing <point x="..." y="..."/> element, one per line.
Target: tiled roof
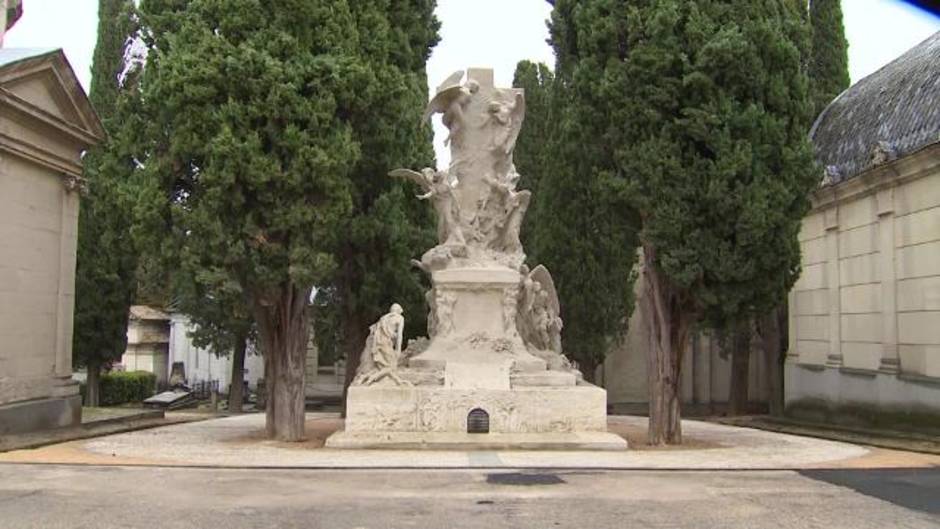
<point x="891" y="113"/>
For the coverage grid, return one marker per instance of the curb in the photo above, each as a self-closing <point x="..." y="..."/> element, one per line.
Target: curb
<point x="876" y="438"/>
<point x="88" y="431"/>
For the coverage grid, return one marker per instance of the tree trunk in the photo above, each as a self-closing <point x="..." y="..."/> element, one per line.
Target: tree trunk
<point x="772" y="343"/>
<point x="669" y="324"/>
<point x="236" y="391"/>
<point x="283" y="332"/>
<point x="588" y="369"/>
<point x="270" y="378"/>
<point x="740" y="369"/>
<point x="93" y="385"/>
<point x="355" y="334"/>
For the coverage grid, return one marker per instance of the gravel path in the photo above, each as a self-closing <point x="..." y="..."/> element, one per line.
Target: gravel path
<point x="239" y="442"/>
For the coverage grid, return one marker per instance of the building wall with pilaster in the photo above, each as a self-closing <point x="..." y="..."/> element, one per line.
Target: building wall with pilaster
<point x="45" y="125"/>
<point x="865" y="313"/>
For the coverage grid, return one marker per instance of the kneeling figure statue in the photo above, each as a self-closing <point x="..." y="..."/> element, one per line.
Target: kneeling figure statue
<point x="382" y="352"/>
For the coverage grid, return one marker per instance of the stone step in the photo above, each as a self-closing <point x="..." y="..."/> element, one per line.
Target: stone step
<point x="544" y="378"/>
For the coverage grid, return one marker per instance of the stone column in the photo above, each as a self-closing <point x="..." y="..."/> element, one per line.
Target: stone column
<point x="886" y="250"/>
<point x="793" y="350"/>
<point x="63" y="385"/>
<point x="66" y="292"/>
<point x="833" y="283"/>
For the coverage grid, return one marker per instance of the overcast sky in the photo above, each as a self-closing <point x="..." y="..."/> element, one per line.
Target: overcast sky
<point x="494" y="33"/>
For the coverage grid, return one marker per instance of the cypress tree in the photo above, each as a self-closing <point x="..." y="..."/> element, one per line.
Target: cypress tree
<point x="387" y="227"/>
<point x="587" y="241"/>
<point x="698" y="112"/>
<point x="531" y="156"/>
<point x="104" y="276"/>
<point x="829" y="62"/>
<point x="246" y="160"/>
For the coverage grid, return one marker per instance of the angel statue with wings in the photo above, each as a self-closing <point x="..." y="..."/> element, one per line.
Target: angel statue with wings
<point x="440" y="192"/>
<point x="451" y="100"/>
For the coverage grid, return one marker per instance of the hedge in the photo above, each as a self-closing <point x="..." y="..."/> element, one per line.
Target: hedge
<point x="120" y="387"/>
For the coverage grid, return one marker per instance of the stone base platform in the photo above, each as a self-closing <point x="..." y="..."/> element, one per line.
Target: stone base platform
<point x="551" y="417"/>
<point x="41" y="414"/>
<point x="465" y="441"/>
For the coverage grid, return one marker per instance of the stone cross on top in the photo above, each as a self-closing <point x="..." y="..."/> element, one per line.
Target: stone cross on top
<point x="483" y="123"/>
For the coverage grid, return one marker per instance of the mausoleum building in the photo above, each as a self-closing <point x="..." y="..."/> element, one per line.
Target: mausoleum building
<point x="46" y="123"/>
<point x="864" y="317"/>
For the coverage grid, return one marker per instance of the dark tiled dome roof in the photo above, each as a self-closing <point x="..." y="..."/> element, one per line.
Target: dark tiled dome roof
<point x="891" y="113"/>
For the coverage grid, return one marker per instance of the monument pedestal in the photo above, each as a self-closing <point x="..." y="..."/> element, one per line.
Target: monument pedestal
<point x="475" y="320"/>
<point x="524" y="417"/>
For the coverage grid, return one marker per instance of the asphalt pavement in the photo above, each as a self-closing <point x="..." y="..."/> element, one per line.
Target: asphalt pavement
<point x="87" y="496"/>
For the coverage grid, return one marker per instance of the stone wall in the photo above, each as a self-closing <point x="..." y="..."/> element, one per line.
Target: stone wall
<point x="38" y="223"/>
<point x="865" y="314"/>
<point x="148" y="342"/>
<point x="706" y="371"/>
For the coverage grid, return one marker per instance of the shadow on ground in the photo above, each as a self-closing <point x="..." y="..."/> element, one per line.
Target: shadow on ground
<point x="914" y="488"/>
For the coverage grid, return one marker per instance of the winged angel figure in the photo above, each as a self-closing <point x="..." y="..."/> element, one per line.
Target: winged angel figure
<point x="451" y="100"/>
<point x="539" y="318"/>
<point x="440" y="192"/>
<point x="507" y="117"/>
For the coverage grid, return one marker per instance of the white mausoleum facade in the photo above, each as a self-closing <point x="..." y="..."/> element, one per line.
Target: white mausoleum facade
<point x="156" y="340"/>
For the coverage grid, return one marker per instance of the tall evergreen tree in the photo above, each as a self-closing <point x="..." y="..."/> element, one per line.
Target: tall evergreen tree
<point x="532" y="155"/>
<point x="829" y="61"/>
<point x="698" y="111"/>
<point x="387" y="227"/>
<point x="249" y="148"/>
<point x="104" y="276"/>
<point x="586" y="240"/>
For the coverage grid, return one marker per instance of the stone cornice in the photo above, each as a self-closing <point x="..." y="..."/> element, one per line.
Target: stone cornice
<point x="21" y="113"/>
<point x="11" y="102"/>
<point x="44" y="157"/>
<point x="916" y="165"/>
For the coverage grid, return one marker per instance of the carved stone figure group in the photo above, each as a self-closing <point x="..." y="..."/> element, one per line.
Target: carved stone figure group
<point x="440" y="192"/>
<point x="382" y="353"/>
<point x="538" y="317"/>
<point x="479" y="217"/>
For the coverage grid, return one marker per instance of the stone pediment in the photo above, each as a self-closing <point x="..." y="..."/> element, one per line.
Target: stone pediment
<point x="45" y="116"/>
<point x="43" y="83"/>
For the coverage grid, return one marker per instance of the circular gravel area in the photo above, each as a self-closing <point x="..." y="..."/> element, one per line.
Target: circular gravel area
<point x="239" y="442"/>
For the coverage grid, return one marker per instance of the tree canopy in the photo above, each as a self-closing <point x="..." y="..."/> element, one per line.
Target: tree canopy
<point x="386" y="227"/>
<point x="698" y="111"/>
<point x="248" y="160"/>
<point x="271" y="127"/>
<point x="829" y="61"/>
<point x="106" y="257"/>
<point x="587" y="241"/>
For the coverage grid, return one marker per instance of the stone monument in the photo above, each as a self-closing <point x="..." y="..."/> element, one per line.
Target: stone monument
<point x="491" y="372"/>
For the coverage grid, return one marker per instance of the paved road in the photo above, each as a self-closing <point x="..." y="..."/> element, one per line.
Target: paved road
<point x="55" y="496"/>
<point x="913" y="488"/>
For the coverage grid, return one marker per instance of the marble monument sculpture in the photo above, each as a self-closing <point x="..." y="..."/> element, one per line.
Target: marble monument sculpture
<point x="494" y="328"/>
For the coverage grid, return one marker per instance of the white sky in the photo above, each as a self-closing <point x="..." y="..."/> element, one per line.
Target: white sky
<point x="493" y="33"/>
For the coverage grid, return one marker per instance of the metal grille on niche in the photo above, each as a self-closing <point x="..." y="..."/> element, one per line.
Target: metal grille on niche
<point x="478" y="421"/>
